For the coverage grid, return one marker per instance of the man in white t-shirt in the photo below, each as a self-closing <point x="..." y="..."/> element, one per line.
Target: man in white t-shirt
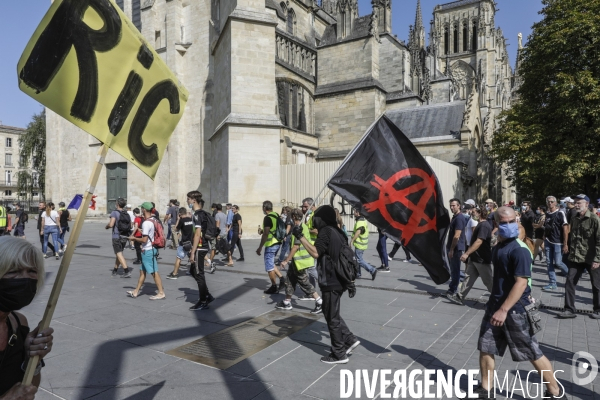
<point x="149" y="253"/>
<point x="132" y="217"/>
<point x="471" y="223"/>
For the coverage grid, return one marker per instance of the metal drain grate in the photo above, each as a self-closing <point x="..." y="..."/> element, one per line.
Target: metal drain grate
<point x="231" y="345"/>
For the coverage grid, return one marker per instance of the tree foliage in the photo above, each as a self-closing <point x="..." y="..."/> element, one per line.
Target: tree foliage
<point x="32" y="146"/>
<point x="549" y="140"/>
<point x="24" y="183"/>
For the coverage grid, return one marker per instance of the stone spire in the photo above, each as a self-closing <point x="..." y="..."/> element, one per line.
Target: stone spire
<point x="417" y="34"/>
<point x="382" y="13"/>
<point x="418" y="55"/>
<point x="346" y="11"/>
<point x="328" y="6"/>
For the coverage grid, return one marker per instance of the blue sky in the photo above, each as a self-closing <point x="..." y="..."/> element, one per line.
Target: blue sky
<point x="18" y="20"/>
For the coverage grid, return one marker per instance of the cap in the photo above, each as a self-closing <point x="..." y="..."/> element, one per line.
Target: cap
<point x="568" y="200"/>
<point x="511" y="203"/>
<point x="489" y="201"/>
<point x="128" y="206"/>
<point x="470" y="202"/>
<point x="467" y="206"/>
<point x="582" y="197"/>
<point x="147" y="206"/>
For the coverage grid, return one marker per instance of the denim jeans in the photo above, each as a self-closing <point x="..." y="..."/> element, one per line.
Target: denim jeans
<point x="64" y="230"/>
<point x="362" y="262"/>
<point x="51" y="231"/>
<point x="455" y="270"/>
<point x="554" y="259"/>
<point x="382" y="249"/>
<point x="285" y="248"/>
<point x="270" y="257"/>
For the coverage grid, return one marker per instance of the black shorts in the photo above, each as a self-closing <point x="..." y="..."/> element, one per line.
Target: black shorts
<point x="119" y="245"/>
<point x="19" y="231"/>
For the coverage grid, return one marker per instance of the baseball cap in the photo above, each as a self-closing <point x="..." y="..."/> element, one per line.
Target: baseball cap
<point x="467" y="206"/>
<point x="470" y="202"/>
<point x="147" y="206"/>
<point x="582" y="197"/>
<point x="128" y="206"/>
<point x="568" y="200"/>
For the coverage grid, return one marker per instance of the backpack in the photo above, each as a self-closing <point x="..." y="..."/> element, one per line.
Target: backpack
<point x="346" y="267"/>
<point x="280" y="230"/>
<point x="24" y="217"/>
<point x="211" y="227"/>
<point x="159" y="234"/>
<point x="124" y="223"/>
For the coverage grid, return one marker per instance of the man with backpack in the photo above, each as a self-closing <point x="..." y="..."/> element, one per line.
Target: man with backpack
<point x="272" y="231"/>
<point x="200" y="248"/>
<point x="120" y="225"/>
<point x="21" y="219"/>
<point x="337" y="270"/>
<point x="297" y="272"/>
<point x="152" y="237"/>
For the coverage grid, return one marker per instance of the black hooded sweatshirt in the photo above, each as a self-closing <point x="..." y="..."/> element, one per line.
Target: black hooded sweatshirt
<point x="328" y="244"/>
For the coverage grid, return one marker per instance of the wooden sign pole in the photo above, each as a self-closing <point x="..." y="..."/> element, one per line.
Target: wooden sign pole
<point x="66" y="260"/>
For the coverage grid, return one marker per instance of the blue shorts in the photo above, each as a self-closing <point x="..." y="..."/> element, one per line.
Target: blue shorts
<point x="181" y="253"/>
<point x="149" y="262"/>
<point x="270" y="257"/>
<point x="19" y="231"/>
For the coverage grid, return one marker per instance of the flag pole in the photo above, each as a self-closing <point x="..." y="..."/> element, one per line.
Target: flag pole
<point x="362" y="139"/>
<point x="66" y="260"/>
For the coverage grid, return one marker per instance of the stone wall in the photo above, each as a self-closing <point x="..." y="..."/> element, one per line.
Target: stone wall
<point x="348" y="61"/>
<point x="390" y="64"/>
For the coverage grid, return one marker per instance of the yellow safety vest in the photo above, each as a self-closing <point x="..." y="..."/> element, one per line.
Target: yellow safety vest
<point x="302" y="258"/>
<point x="362" y="241"/>
<point x="3" y="219"/>
<point x="271" y="240"/>
<point x="309" y="222"/>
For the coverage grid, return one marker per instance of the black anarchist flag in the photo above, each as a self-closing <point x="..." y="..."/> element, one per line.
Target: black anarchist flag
<point x="387" y="179"/>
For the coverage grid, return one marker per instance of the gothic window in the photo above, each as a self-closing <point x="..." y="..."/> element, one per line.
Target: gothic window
<point x="474" y="33"/>
<point x="465" y="37"/>
<point x="455" y="39"/>
<point x="446" y="41"/>
<point x="292" y="103"/>
<point x="291" y="22"/>
<point x="283" y="7"/>
<point x="136" y="14"/>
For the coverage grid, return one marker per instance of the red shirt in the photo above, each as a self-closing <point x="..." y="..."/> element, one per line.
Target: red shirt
<point x="138" y="221"/>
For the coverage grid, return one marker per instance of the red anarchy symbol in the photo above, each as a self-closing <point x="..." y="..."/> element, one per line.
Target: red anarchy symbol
<point x="389" y="195"/>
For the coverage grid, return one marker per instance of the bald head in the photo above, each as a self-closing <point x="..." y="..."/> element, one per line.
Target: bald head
<point x="505" y="214"/>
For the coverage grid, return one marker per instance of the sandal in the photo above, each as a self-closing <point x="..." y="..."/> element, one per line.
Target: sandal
<point x="157" y="297"/>
<point x="130" y="294"/>
<point x="229" y="265"/>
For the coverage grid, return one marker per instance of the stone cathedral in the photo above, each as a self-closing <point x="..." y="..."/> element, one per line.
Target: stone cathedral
<point x="276" y="82"/>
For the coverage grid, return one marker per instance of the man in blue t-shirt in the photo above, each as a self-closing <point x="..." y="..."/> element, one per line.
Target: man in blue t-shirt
<point x="456" y="244"/>
<point x="505" y="321"/>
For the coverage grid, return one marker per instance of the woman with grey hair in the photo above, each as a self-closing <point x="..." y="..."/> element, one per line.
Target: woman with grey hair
<point x="21" y="277"/>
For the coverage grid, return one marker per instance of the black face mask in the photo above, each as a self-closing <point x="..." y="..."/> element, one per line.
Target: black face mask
<point x="318" y="223"/>
<point x="16" y="293"/>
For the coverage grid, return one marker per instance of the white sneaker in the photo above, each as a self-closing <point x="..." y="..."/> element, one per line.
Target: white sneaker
<point x="390" y="258"/>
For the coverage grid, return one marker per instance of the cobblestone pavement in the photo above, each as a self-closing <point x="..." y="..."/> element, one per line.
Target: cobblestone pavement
<point x="109" y="346"/>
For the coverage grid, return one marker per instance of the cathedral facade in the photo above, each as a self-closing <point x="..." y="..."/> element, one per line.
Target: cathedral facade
<point x="276" y="82"/>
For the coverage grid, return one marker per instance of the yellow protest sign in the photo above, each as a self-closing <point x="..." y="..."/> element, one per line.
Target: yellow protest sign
<point x="88" y="63"/>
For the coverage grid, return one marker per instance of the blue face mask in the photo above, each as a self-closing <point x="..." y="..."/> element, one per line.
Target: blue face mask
<point x="508" y="231"/>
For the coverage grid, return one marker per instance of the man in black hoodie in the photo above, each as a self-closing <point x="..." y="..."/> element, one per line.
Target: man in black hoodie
<point x="326" y="250"/>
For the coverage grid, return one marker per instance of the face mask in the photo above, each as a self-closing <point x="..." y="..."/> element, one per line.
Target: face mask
<point x="488" y="208"/>
<point x="16" y="293"/>
<point x="508" y="231"/>
<point x="190" y="205"/>
<point x="318" y="223"/>
<point x="475" y="217"/>
<point x="537" y="212"/>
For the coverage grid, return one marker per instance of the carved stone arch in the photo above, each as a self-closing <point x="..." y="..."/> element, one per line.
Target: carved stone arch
<point x="464" y="77"/>
<point x="283" y="7"/>
<point x="295" y="104"/>
<point x="291" y="22"/>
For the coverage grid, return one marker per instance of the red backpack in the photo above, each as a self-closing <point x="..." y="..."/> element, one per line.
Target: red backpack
<point x="159" y="234"/>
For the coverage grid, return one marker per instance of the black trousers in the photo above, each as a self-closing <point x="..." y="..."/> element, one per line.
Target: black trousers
<point x="575" y="271"/>
<point x="138" y="250"/>
<point x="236" y="241"/>
<point x="396" y="248"/>
<point x="50" y="245"/>
<point x="197" y="271"/>
<point x="341" y="337"/>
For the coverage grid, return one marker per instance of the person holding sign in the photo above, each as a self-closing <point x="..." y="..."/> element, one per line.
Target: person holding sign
<point x="21" y="276"/>
<point x="149" y="253"/>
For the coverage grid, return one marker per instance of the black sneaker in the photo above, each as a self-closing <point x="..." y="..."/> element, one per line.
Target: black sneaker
<point x="318" y="309"/>
<point x="305" y="298"/>
<point x="199" y="306"/>
<point x="137" y="262"/>
<point x="351" y="348"/>
<point x="271" y="290"/>
<point x="114" y="273"/>
<point x="548" y="395"/>
<point x="126" y="273"/>
<point x="373" y="275"/>
<point x="281" y="284"/>
<point x="595" y="315"/>
<point x="172" y="276"/>
<point x="483" y="393"/>
<point x="209" y="298"/>
<point x="567" y="314"/>
<point x="241" y="259"/>
<point x="383" y="268"/>
<point x="282" y="305"/>
<point x="455" y="298"/>
<point x="331" y="359"/>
